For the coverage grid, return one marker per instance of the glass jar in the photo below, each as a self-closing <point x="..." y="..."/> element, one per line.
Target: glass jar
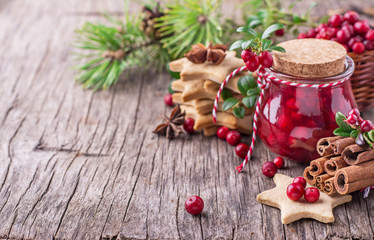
<point x="292" y="118"/>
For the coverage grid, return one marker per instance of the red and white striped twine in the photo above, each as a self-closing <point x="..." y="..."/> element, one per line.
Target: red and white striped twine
<point x="264" y="80"/>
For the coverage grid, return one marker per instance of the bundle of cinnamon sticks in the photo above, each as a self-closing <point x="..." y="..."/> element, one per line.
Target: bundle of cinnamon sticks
<point x="343" y="167"/>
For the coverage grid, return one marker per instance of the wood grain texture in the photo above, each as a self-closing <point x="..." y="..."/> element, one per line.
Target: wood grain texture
<point x="75" y="164"/>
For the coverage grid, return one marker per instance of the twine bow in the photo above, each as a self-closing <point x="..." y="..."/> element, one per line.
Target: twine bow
<point x="264" y="80"/>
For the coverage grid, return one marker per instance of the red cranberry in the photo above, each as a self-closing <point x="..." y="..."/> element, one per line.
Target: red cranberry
<point x="348" y="27"/>
<point x="368" y="45"/>
<point x="311" y="33"/>
<point x="351" y="42"/>
<point x="370" y="35"/>
<point x="302" y="35"/>
<point x="300" y="180"/>
<point x="253" y="63"/>
<point x="168" y="99"/>
<point x="355" y="112"/>
<point x="269" y="169"/>
<point x="279" y="32"/>
<point x="246" y="55"/>
<point x="336" y="20"/>
<point x="325" y="33"/>
<point x="222" y="132"/>
<point x="351" y="17"/>
<point x="279" y="162"/>
<point x="343" y="35"/>
<point x="295" y="191"/>
<point x="311" y="194"/>
<point x="322" y="25"/>
<point x="352" y="119"/>
<point x="233" y="137"/>
<point x="366" y="126"/>
<point x="266" y="59"/>
<point x="194" y="205"/>
<point x="188" y="125"/>
<point x="333" y="32"/>
<point x="317" y="36"/>
<point x="360" y="120"/>
<point x="358" y="47"/>
<point x="241" y="150"/>
<point x="359" y="38"/>
<point x="361" y="27"/>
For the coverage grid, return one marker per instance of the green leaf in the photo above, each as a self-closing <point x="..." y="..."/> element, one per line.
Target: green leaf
<point x="247" y="44"/>
<point x="229" y="103"/>
<point x="339" y="118"/>
<point x="271" y="29"/>
<point x="341" y="132"/>
<point x="239" y="112"/>
<point x="255" y="23"/>
<point x="244" y="84"/>
<point x="265" y="44"/>
<point x="371" y="135"/>
<point x="226" y="94"/>
<point x="296" y="19"/>
<point x="249" y="102"/>
<point x="236" y="45"/>
<point x="248" y="30"/>
<point x="252" y="92"/>
<point x="367" y="139"/>
<point x="354" y="133"/>
<point x="277" y="48"/>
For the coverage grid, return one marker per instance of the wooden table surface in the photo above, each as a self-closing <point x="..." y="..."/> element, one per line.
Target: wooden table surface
<point x="75" y="164"/>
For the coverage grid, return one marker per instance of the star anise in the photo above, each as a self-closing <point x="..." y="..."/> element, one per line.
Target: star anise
<point x="171" y="126"/>
<point x="213" y="53"/>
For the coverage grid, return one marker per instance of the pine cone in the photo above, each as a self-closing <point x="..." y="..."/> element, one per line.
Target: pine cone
<point x="148" y="23"/>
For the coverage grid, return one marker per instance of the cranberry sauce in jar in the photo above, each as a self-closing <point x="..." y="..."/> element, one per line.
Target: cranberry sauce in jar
<point x="293" y="118"/>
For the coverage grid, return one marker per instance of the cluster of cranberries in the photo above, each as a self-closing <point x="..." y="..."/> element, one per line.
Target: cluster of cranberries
<point x="296" y="190"/>
<point x="354" y="118"/>
<point x="354" y="34"/>
<point x="269" y="169"/>
<point x="233" y="138"/>
<point x="252" y="61"/>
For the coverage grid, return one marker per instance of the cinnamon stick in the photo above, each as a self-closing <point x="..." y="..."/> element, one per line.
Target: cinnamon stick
<point x="355" y="154"/>
<point x="355" y="177"/>
<point x="320" y="181"/>
<point x="329" y="187"/>
<point x="339" y="145"/>
<point x="308" y="177"/>
<point x="334" y="164"/>
<point x="318" y="166"/>
<point x="324" y="147"/>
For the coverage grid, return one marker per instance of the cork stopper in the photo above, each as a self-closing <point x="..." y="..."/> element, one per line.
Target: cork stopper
<point x="310" y="58"/>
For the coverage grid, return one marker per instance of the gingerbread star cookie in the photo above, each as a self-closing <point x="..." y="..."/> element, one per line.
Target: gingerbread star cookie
<point x="294" y="210"/>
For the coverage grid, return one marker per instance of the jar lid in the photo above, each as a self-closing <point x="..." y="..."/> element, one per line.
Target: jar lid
<point x="310" y="58"/>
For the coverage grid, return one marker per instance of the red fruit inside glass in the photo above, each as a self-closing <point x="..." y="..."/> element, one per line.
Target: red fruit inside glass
<point x="295" y="191"/>
<point x="194" y="205"/>
<point x="222" y="132"/>
<point x="292" y="119"/>
<point x="300" y="180"/>
<point x="311" y="194"/>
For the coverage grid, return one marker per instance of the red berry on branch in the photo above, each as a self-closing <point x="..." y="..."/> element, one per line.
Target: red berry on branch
<point x="188" y="125"/>
<point x="351" y="17"/>
<point x="300" y="180"/>
<point x="352" y="119"/>
<point x="355" y="112"/>
<point x="241" y="150"/>
<point x="366" y="126"/>
<point x="370" y="35"/>
<point x="233" y="137"/>
<point x="279" y="32"/>
<point x="302" y="36"/>
<point x="168" y="99"/>
<point x="295" y="191"/>
<point x="358" y="47"/>
<point x="222" y="132"/>
<point x="311" y="194"/>
<point x="361" y="27"/>
<point x="360" y="120"/>
<point x="269" y="169"/>
<point x="246" y="55"/>
<point x="336" y="20"/>
<point x="194" y="205"/>
<point x="266" y="59"/>
<point x="279" y="162"/>
<point x="253" y="63"/>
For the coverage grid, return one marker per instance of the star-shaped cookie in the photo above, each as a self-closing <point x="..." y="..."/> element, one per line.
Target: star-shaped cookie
<point x="294" y="210"/>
